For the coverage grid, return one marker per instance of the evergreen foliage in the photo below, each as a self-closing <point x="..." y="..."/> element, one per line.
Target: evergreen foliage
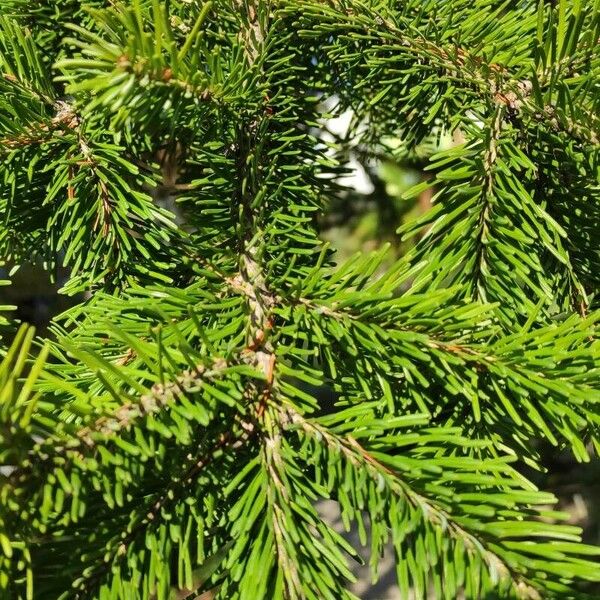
<point x="169" y="439"/>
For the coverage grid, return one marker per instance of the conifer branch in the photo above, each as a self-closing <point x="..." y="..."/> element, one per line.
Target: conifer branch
<point x="85" y="440"/>
<point x="227" y="371"/>
<point x="438" y="517"/>
<point x="492" y="80"/>
<point x="169" y="494"/>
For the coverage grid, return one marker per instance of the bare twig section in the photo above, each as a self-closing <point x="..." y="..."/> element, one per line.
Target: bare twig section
<point x="154" y="401"/>
<point x="65" y="118"/>
<point x="360" y="458"/>
<point x="487" y="199"/>
<point x="253" y="35"/>
<point x="251" y="278"/>
<point x="278" y="493"/>
<point x="36" y="134"/>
